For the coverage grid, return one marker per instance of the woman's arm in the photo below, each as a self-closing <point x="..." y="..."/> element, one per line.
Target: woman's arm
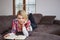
<point x="13" y="27"/>
<point x="28" y="23"/>
<point x="28" y="26"/>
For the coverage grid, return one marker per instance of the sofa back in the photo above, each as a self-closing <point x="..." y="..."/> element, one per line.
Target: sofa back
<point x="5" y="22"/>
<point x="40" y="19"/>
<point x="37" y="17"/>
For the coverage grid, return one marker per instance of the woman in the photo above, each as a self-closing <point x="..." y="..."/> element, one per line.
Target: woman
<point x="21" y="25"/>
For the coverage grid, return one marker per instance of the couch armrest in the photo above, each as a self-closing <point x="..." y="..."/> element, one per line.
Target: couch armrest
<point x="57" y="22"/>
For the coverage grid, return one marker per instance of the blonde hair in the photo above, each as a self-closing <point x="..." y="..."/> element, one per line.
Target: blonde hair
<point x="23" y="13"/>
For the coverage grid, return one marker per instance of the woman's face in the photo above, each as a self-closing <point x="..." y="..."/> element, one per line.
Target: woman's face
<point x="20" y="18"/>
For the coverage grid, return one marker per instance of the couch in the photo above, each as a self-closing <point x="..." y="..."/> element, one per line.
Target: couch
<point x="5" y="25"/>
<point x="46" y="29"/>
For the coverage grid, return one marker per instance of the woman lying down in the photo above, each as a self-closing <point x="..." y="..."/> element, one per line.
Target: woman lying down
<point x="21" y="25"/>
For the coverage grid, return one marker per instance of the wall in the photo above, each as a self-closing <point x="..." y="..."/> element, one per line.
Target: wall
<point x="48" y="7"/>
<point x="6" y="7"/>
<point x="45" y="7"/>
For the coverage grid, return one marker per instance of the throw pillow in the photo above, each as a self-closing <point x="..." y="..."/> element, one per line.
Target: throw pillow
<point x="47" y="20"/>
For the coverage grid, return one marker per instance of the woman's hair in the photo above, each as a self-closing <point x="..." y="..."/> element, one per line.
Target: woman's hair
<point x="19" y="13"/>
<point x="23" y="13"/>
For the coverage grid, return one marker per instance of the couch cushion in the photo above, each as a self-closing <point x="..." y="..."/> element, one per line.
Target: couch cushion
<point x="43" y="36"/>
<point x="5" y="22"/>
<point x="37" y="18"/>
<point x="47" y="19"/>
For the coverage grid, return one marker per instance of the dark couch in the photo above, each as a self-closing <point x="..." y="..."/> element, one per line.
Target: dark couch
<point x="5" y="25"/>
<point x="47" y="28"/>
<point x="44" y="31"/>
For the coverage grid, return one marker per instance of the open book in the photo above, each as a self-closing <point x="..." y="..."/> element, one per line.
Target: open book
<point x="13" y="36"/>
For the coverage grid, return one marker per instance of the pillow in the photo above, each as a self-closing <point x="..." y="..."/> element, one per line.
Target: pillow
<point x="37" y="17"/>
<point x="33" y="24"/>
<point x="47" y="19"/>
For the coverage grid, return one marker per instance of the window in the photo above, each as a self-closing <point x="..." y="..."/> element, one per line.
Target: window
<point x="27" y="5"/>
<point x="30" y="6"/>
<point x="18" y="5"/>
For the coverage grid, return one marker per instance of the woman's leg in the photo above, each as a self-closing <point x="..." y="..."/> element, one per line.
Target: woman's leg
<point x="25" y="32"/>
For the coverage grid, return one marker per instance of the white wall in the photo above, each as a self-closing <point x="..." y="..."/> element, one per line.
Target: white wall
<point x="6" y="7"/>
<point x="45" y="7"/>
<point x="48" y="7"/>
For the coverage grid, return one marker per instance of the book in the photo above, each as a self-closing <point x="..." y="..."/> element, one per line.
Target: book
<point x="13" y="36"/>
